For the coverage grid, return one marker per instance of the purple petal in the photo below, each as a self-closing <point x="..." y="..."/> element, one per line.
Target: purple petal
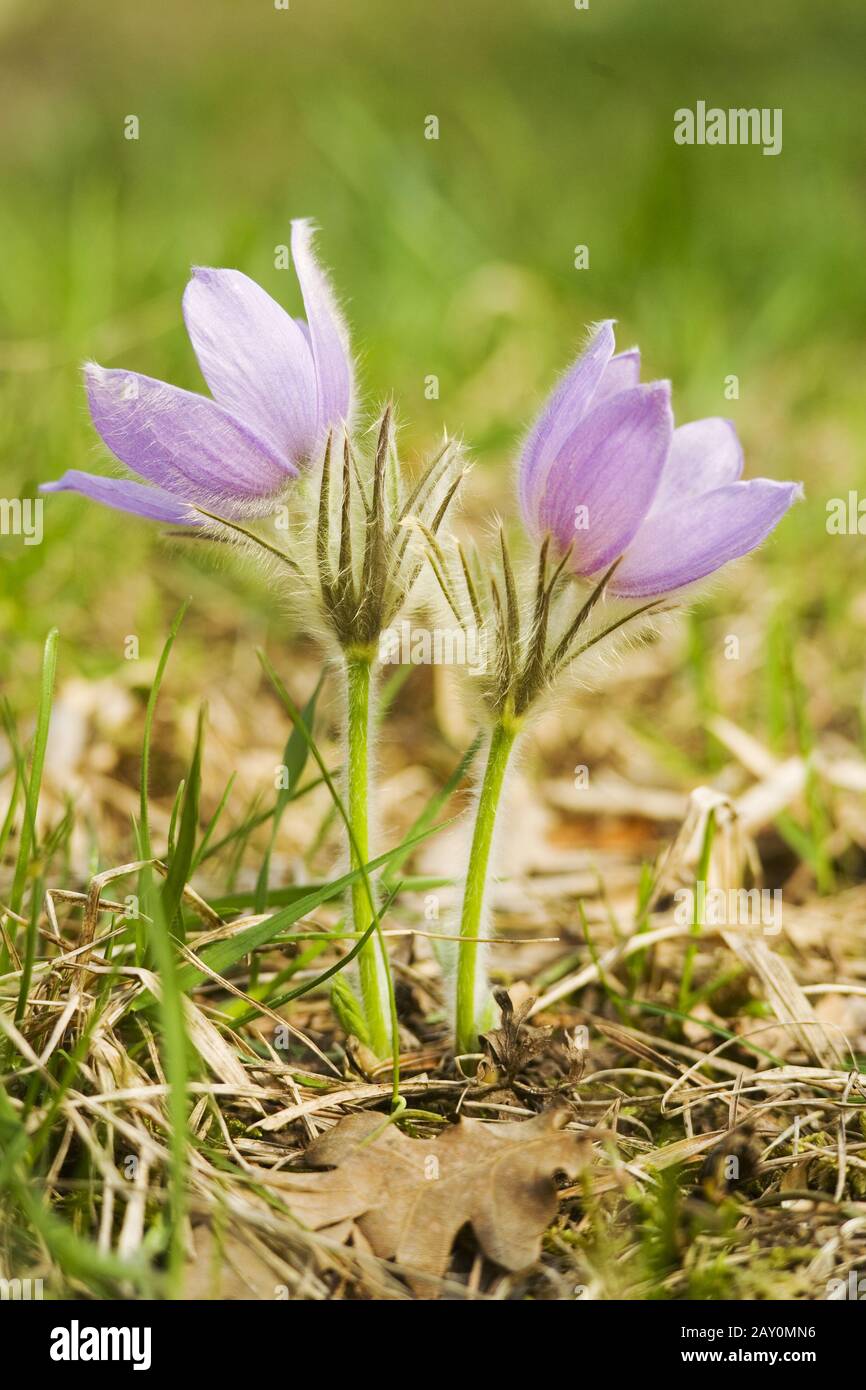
<point x="254" y="357"/>
<point x="621" y="373"/>
<point x="565" y="408"/>
<point x="610" y="466"/>
<point x="329" y="337"/>
<point x="125" y="496"/>
<point x="182" y="442"/>
<point x="705" y="454"/>
<point x="686" y="543"/>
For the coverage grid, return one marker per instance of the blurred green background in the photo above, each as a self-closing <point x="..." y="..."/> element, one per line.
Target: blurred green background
<point x="454" y="257"/>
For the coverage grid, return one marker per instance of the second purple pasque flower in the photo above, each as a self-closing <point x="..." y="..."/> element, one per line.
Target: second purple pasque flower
<point x="278" y="384"/>
<point x="606" y="474"/>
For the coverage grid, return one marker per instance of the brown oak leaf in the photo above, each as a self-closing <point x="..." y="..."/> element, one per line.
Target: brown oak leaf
<point x="410" y="1197"/>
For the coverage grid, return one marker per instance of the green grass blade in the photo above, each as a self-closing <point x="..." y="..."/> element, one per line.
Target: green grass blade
<point x="294" y="761"/>
<point x="37" y="761"/>
<point x="697" y="924"/>
<point x="222" y="955"/>
<point x="228" y="903"/>
<point x="28" y="834"/>
<point x="212" y="824"/>
<point x="144" y="818"/>
<point x="183" y="851"/>
<point x="435" y="805"/>
<point x="175" y="1055"/>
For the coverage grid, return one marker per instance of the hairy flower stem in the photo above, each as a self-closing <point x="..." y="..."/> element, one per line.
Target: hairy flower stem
<point x="501" y="743"/>
<point x="371" y="968"/>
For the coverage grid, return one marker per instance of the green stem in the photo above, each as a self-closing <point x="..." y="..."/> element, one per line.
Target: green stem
<point x="371" y="968"/>
<point x="501" y="744"/>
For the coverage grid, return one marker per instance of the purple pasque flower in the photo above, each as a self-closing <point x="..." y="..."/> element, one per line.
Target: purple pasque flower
<point x="277" y="385"/>
<point x="604" y="471"/>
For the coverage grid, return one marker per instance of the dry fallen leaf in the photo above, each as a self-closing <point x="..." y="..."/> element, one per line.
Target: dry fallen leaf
<point x="410" y="1197"/>
<point x="228" y="1269"/>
